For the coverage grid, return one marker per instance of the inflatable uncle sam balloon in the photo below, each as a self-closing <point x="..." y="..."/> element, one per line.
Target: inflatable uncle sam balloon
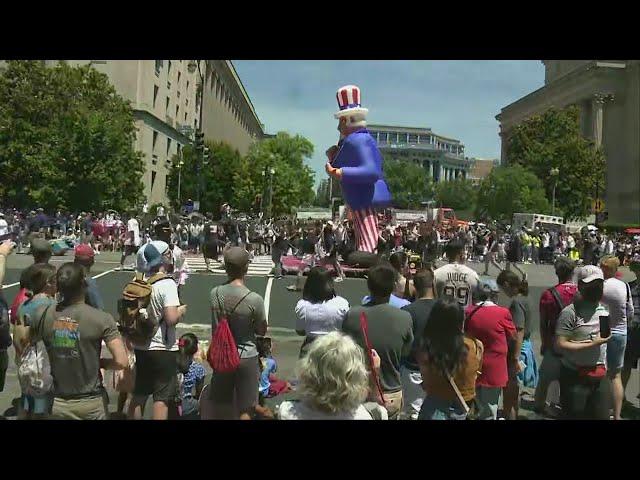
<point x="357" y="163"/>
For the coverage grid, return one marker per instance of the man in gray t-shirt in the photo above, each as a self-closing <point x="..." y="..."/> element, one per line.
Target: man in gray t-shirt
<point x="234" y="395"/>
<point x="583" y="389"/>
<point x="244" y="311"/>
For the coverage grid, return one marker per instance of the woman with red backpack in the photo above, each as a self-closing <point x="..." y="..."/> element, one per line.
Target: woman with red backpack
<point x="237" y="317"/>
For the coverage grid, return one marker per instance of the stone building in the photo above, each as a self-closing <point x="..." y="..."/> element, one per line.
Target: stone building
<point x="442" y="157"/>
<point x="166" y="105"/>
<point x="608" y="94"/>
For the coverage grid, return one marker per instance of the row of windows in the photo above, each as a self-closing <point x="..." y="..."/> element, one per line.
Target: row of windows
<point x="394" y="137"/>
<point x="224" y="96"/>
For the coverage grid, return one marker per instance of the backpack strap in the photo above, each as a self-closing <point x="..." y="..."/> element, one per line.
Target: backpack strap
<point x="557" y="298"/>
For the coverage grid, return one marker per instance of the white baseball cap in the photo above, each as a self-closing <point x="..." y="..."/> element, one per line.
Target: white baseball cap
<point x="589" y="273"/>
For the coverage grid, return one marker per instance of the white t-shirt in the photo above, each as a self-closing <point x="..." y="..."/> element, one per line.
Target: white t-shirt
<point x="164" y="293"/>
<point x="4" y="227"/>
<point x="457" y="281"/>
<point x="617" y="298"/>
<point x="133" y="226"/>
<point x="321" y="318"/>
<point x="302" y="411"/>
<point x="160" y="211"/>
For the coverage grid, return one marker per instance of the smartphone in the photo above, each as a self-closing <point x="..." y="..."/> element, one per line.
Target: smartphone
<point x="605" y="328"/>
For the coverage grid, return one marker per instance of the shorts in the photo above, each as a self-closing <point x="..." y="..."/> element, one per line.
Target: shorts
<point x="91" y="408"/>
<point x="156" y="374"/>
<point x="631" y="353"/>
<point x="615" y="352"/>
<point x="130" y="250"/>
<point x="234" y="393"/>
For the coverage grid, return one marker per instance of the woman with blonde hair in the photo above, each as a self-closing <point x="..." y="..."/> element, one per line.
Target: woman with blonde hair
<point x="334" y="382"/>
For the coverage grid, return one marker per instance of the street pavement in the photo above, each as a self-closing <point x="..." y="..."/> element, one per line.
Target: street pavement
<point x="280" y="305"/>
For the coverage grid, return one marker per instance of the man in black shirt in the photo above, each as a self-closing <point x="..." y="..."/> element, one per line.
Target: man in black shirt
<point x="410" y="376"/>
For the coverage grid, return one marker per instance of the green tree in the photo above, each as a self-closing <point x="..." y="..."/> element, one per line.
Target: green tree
<point x="554" y="140"/>
<point x="292" y="180"/>
<point x="216" y="179"/>
<point x="66" y="139"/>
<point x="408" y="182"/>
<point x="322" y="194"/>
<point x="459" y="194"/>
<point x="508" y="190"/>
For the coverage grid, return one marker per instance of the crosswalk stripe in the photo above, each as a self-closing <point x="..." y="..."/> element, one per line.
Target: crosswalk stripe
<point x="261" y="265"/>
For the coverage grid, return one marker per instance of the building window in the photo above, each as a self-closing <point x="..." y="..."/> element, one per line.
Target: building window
<point x="168" y="146"/>
<point x="413" y="139"/>
<point x="159" y="66"/>
<point x="153" y="179"/>
<point x="167" y="106"/>
<point x="177" y="112"/>
<point x="155" y="139"/>
<point x="185" y="116"/>
<point x="187" y="86"/>
<point x="155" y="95"/>
<point x="179" y="75"/>
<point x="169" y="68"/>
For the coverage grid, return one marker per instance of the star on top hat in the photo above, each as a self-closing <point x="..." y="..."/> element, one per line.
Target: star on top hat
<point x="349" y="99"/>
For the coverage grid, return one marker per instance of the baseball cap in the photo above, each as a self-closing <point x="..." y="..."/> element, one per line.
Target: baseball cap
<point x="236" y="257"/>
<point x="40" y="245"/>
<point x="589" y="273"/>
<point x="487" y="286"/>
<point x="153" y="253"/>
<point x="84" y="250"/>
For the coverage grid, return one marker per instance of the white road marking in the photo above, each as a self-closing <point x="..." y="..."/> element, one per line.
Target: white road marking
<point x="267" y="297"/>
<point x="104" y="273"/>
<point x="97" y="276"/>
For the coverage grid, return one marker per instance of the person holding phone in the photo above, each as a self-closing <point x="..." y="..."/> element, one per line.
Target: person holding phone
<point x="584" y="394"/>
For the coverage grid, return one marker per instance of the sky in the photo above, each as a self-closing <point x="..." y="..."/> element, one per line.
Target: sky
<point x="455" y="98"/>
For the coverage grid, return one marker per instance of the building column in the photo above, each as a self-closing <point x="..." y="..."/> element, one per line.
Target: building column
<point x="440" y="173"/>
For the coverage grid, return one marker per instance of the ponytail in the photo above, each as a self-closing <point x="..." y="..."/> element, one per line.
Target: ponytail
<point x="187" y="348"/>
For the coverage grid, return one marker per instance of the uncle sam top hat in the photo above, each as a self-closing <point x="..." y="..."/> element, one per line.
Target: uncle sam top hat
<point x="349" y="99"/>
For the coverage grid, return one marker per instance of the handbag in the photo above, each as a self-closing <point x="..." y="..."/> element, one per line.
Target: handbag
<point x="479" y="354"/>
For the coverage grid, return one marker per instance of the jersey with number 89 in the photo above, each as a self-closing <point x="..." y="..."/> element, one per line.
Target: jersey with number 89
<point x="456" y="281"/>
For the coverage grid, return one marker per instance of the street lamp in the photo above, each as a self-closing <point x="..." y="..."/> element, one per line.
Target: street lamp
<point x="180" y="164"/>
<point x="554" y="172"/>
<point x="192" y="66"/>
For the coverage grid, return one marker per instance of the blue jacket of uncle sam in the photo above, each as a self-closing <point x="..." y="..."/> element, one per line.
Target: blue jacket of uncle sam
<point x="362" y="181"/>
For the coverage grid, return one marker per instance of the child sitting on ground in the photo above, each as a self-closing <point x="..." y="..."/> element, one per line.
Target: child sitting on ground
<point x="270" y="386"/>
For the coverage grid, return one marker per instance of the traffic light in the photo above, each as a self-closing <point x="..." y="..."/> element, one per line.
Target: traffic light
<point x="199" y="143"/>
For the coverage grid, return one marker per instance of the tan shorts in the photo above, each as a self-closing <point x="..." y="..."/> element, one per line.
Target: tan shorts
<point x="91" y="408"/>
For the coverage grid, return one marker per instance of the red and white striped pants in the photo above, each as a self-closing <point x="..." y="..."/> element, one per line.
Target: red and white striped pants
<point x="365" y="225"/>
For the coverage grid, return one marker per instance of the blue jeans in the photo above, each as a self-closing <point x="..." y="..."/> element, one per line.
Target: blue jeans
<point x="437" y="409"/>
